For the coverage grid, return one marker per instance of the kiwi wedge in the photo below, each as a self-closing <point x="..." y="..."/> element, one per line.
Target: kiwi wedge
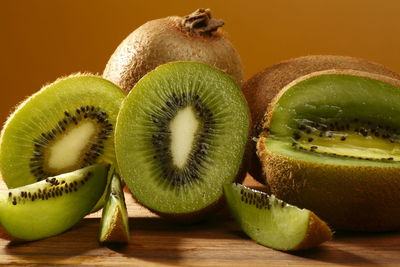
<point x="274" y="223"/>
<point x="260" y="89"/>
<point x="65" y="126"/>
<point x="331" y="143"/>
<point x="114" y="226"/>
<point x="180" y="135"/>
<point x="53" y="205"/>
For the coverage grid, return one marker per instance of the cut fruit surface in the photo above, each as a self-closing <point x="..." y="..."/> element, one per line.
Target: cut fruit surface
<point x="114" y="226"/>
<point x="65" y="126"/>
<point x="331" y="144"/>
<point x="274" y="223"/>
<point x="51" y="206"/>
<point x="180" y="136"/>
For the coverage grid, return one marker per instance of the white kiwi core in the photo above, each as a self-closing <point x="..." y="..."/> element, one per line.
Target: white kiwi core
<point x="183" y="129"/>
<point x="67" y="150"/>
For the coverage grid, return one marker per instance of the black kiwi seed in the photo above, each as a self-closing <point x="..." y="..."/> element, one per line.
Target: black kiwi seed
<point x="296" y="136"/>
<point x="343" y="138"/>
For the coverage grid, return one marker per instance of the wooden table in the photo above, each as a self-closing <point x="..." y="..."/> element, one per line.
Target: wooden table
<point x="217" y="242"/>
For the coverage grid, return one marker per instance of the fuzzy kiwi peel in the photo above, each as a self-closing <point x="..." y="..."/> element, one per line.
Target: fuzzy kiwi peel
<point x="51" y="206"/>
<point x="260" y="89"/>
<point x="65" y="126"/>
<point x="338" y="154"/>
<point x="195" y="37"/>
<point x="114" y="225"/>
<point x="174" y="141"/>
<point x="274" y="223"/>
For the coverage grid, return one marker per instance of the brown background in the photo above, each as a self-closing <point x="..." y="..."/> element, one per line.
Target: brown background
<point x="44" y="39"/>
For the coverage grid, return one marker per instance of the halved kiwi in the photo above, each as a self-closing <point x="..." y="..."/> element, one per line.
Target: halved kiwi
<point x="274" y="223"/>
<point x="53" y="205"/>
<point x="260" y="89"/>
<point x="65" y="126"/>
<point x="331" y="143"/>
<point x="114" y="226"/>
<point x="181" y="135"/>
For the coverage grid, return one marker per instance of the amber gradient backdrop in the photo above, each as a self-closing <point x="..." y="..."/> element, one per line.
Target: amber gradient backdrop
<point x="44" y="39"/>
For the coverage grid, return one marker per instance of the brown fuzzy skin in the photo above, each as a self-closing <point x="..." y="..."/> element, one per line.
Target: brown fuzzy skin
<point x="262" y="87"/>
<point x="165" y="40"/>
<point x="347" y="197"/>
<point x="317" y="232"/>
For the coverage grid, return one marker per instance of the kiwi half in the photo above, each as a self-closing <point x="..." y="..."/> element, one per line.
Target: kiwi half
<point x="274" y="223"/>
<point x="260" y="89"/>
<point x="65" y="126"/>
<point x="331" y="143"/>
<point x="181" y="135"/>
<point x="114" y="226"/>
<point x="53" y="205"/>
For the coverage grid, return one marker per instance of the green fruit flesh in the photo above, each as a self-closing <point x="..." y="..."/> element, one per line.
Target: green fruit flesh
<point x="180" y="136"/>
<point x="338" y="119"/>
<point x="268" y="220"/>
<point x="114" y="226"/>
<point x="65" y="126"/>
<point x="51" y="206"/>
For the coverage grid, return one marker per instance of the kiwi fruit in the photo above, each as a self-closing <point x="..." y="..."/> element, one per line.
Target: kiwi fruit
<point x="195" y="37"/>
<point x="272" y="222"/>
<point x="65" y="126"/>
<point x="260" y="89"/>
<point x="51" y="206"/>
<point x="180" y="135"/>
<point x="331" y="143"/>
<point x="114" y="226"/>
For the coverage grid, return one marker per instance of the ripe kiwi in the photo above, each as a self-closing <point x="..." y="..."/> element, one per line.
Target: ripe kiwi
<point x="180" y="135"/>
<point x="262" y="87"/>
<point x="195" y="37"/>
<point x="53" y="205"/>
<point x="331" y="144"/>
<point x="114" y="226"/>
<point x="274" y="223"/>
<point x="63" y="127"/>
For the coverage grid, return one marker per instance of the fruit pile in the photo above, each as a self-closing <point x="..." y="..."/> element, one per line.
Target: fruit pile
<point x="173" y="121"/>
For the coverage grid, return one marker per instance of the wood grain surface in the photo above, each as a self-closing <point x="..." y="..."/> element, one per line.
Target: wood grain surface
<point x="216" y="242"/>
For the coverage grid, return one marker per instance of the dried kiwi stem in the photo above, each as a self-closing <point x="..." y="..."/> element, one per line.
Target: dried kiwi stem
<point x="201" y="22"/>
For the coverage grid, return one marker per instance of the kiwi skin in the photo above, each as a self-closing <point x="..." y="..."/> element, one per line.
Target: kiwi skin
<point x="370" y="204"/>
<point x="165" y="40"/>
<point x="260" y="89"/>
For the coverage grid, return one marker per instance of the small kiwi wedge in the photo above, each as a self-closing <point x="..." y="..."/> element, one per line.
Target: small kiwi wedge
<point x="180" y="135"/>
<point x="65" y="126"/>
<point x="274" y="223"/>
<point x="260" y="89"/>
<point x="53" y="205"/>
<point x="114" y="226"/>
<point x="331" y="144"/>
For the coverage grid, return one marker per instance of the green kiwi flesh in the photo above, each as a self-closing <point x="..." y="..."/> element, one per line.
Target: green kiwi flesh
<point x="180" y="136"/>
<point x="274" y="223"/>
<point x="331" y="144"/>
<point x="65" y="126"/>
<point x="51" y="206"/>
<point x="114" y="226"/>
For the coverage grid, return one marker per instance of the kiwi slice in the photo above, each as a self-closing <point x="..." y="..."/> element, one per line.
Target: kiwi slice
<point x="274" y="223"/>
<point x="53" y="205"/>
<point x="65" y="126"/>
<point x="181" y="135"/>
<point x="114" y="225"/>
<point x="331" y="143"/>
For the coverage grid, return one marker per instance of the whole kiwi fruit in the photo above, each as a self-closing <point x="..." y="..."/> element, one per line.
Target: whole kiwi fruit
<point x="260" y="89"/>
<point x="195" y="37"/>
